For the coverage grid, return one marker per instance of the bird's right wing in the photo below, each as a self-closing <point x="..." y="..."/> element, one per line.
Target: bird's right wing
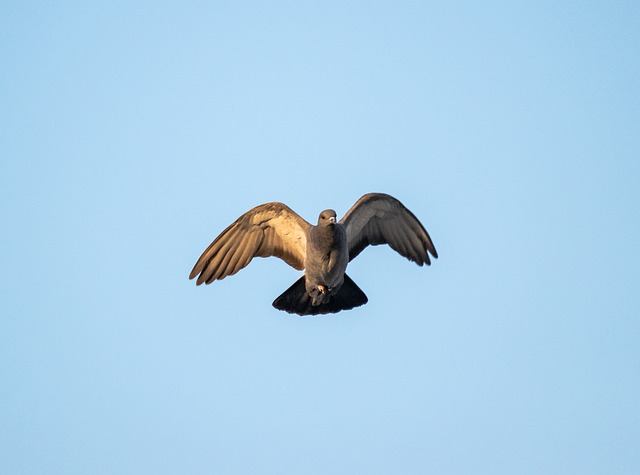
<point x="271" y="229"/>
<point x="377" y="218"/>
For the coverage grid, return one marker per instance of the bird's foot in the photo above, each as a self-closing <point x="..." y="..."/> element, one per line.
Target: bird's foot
<point x="320" y="294"/>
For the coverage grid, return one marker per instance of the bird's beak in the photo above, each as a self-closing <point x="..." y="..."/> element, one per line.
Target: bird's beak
<point x="332" y="220"/>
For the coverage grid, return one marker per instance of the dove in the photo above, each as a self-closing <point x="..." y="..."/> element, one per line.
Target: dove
<point x="322" y="251"/>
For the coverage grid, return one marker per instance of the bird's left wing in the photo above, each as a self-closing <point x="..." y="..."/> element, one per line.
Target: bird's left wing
<point x="271" y="229"/>
<point x="377" y="218"/>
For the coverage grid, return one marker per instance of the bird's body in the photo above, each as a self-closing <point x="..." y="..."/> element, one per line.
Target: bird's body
<point x="323" y="251"/>
<point x="326" y="258"/>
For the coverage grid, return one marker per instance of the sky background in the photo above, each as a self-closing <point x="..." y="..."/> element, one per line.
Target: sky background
<point x="132" y="133"/>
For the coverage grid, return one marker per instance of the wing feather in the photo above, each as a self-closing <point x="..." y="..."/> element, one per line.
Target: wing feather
<point x="395" y="238"/>
<point x="271" y="229"/>
<point x="377" y="218"/>
<point x="215" y="266"/>
<point x="222" y="268"/>
<point x="414" y="245"/>
<point x="247" y="252"/>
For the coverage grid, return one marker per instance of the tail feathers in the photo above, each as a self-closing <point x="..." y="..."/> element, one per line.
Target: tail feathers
<point x="296" y="300"/>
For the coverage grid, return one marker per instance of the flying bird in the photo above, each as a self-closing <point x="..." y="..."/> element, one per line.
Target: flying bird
<point x="322" y="251"/>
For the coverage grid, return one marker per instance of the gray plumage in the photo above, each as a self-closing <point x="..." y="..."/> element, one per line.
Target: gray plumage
<point x="323" y="251"/>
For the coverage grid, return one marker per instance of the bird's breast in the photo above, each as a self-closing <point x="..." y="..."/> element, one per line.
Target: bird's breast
<point x="327" y="255"/>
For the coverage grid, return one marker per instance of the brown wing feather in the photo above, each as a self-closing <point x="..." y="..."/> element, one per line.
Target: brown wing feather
<point x="377" y="218"/>
<point x="271" y="229"/>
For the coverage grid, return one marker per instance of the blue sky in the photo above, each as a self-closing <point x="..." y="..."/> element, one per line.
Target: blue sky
<point x="131" y="134"/>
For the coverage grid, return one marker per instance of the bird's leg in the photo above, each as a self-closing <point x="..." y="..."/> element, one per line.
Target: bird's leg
<point x="320" y="294"/>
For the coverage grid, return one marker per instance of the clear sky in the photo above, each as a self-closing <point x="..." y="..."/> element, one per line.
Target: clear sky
<point x="132" y="133"/>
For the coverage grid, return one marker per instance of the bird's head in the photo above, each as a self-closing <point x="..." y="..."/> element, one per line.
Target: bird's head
<point x="327" y="217"/>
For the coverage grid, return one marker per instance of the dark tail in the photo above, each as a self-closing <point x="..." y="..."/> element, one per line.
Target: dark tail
<point x="296" y="300"/>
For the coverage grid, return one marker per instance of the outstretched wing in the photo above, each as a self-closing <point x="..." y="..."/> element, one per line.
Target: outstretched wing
<point x="271" y="229"/>
<point x="377" y="218"/>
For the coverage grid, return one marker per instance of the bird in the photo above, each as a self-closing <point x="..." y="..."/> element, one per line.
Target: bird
<point x="323" y="251"/>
